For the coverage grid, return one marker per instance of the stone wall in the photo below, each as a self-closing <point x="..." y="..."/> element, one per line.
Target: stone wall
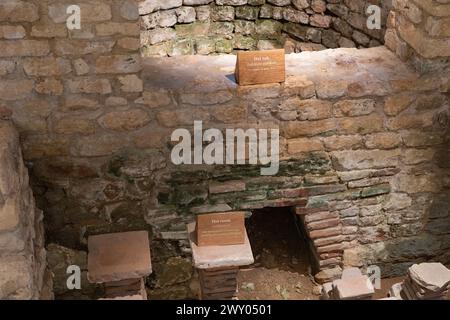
<point x="50" y="73"/>
<point x="364" y="152"/>
<point x="419" y="31"/>
<point x="58" y="84"/>
<point x="22" y="252"/>
<point x="364" y="161"/>
<point x="185" y="27"/>
<point x="364" y="139"/>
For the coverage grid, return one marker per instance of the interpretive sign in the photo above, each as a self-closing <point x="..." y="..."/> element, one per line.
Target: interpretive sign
<point x="260" y="67"/>
<point x="220" y="229"/>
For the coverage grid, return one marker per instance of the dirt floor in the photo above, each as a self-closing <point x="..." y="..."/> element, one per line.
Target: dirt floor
<point x="282" y="268"/>
<point x="274" y="284"/>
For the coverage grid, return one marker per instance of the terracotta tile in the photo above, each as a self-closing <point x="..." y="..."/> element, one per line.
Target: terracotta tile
<point x="220" y="256"/>
<point x="118" y="256"/>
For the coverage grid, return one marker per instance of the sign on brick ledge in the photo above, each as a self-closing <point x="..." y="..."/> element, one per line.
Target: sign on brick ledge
<point x="260" y="67"/>
<point x="220" y="229"/>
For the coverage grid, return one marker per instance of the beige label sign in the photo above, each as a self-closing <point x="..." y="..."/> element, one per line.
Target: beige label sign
<point x="260" y="67"/>
<point x="220" y="229"/>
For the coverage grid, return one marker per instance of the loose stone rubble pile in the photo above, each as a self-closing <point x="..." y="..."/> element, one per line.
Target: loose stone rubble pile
<point x="425" y="281"/>
<point x="352" y="286"/>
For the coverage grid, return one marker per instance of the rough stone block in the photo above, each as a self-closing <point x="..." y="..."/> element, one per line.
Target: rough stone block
<point x="125" y="120"/>
<point x="89" y="85"/>
<point x="24" y="48"/>
<point x="74" y="47"/>
<point x="45" y="67"/>
<point x="16" y="280"/>
<point x="18" y="11"/>
<point x="117" y="28"/>
<point x="92" y="12"/>
<point x="118" y="64"/>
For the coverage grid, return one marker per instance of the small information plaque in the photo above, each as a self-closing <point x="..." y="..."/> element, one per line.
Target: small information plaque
<point x="220" y="229"/>
<point x="260" y="67"/>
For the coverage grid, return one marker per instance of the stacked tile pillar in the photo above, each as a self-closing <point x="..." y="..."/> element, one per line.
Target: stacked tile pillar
<point x="120" y="261"/>
<point x="325" y="234"/>
<point x="218" y="266"/>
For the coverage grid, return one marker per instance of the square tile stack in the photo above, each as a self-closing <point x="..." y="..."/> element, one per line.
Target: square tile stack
<point x="218" y="266"/>
<point x="426" y="281"/>
<point x="120" y="261"/>
<point x="218" y="284"/>
<point x="353" y="285"/>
